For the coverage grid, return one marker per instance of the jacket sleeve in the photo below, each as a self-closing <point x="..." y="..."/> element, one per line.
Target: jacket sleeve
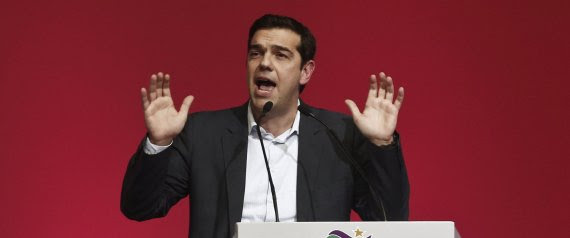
<point x="154" y="183"/>
<point x="385" y="169"/>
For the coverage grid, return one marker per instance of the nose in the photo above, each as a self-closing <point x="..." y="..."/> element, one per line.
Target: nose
<point x="266" y="64"/>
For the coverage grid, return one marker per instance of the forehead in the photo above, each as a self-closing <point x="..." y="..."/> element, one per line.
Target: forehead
<point x="276" y="36"/>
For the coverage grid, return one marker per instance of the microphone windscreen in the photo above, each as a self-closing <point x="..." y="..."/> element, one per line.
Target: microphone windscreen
<point x="267" y="107"/>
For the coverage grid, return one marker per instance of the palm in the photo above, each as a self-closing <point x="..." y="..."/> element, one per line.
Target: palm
<point x="162" y="120"/>
<point x="378" y="120"/>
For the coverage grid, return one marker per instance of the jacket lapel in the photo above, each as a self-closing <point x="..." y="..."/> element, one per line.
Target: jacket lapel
<point x="234" y="145"/>
<point x="308" y="165"/>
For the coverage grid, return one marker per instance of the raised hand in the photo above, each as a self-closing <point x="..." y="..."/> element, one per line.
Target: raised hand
<point x="162" y="120"/>
<point x="378" y="120"/>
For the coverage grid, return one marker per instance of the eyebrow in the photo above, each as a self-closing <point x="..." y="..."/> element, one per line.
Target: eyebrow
<point x="255" y="46"/>
<point x="273" y="47"/>
<point x="281" y="48"/>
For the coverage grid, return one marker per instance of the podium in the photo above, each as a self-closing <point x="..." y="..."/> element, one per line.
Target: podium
<point x="408" y="229"/>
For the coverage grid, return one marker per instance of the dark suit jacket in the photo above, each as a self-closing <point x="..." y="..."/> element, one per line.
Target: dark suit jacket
<point x="207" y="161"/>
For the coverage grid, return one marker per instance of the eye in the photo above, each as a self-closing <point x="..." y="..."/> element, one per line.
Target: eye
<point x="254" y="53"/>
<point x="281" y="55"/>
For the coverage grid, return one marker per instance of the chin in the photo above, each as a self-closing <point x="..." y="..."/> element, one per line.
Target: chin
<point x="255" y="102"/>
<point x="259" y="102"/>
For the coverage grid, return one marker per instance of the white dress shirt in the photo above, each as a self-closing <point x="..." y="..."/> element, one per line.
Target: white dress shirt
<point x="282" y="153"/>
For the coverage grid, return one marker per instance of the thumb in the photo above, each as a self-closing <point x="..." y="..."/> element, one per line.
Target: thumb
<point x="186" y="105"/>
<point x="353" y="108"/>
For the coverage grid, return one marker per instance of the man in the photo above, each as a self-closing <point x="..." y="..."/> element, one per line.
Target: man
<point x="217" y="159"/>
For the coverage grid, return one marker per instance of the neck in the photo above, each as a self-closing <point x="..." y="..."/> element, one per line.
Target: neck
<point x="278" y="120"/>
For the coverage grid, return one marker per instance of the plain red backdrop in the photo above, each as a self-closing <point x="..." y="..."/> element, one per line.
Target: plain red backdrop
<point x="484" y="126"/>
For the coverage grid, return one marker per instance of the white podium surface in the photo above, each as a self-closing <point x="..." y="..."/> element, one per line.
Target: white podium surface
<point x="410" y="229"/>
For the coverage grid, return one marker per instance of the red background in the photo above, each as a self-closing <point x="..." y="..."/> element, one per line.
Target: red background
<point x="484" y="126"/>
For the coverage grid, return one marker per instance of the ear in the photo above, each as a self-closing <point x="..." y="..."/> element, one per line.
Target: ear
<point x="307" y="71"/>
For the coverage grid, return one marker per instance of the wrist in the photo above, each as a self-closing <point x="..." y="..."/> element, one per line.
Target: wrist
<point x="160" y="142"/>
<point x="382" y="141"/>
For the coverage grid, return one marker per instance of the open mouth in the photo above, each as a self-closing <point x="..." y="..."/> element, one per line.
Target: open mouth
<point x="264" y="84"/>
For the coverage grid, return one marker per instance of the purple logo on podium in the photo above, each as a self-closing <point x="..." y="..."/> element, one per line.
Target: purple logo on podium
<point x="339" y="234"/>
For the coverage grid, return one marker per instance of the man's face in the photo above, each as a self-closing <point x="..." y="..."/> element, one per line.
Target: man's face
<point x="274" y="69"/>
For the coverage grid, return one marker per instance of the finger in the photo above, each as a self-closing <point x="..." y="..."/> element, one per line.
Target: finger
<point x="144" y="96"/>
<point x="400" y="98"/>
<point x="373" y="91"/>
<point x="389" y="89"/>
<point x="382" y="91"/>
<point x="185" y="107"/>
<point x="159" y="84"/>
<point x="353" y="109"/>
<point x="166" y="86"/>
<point x="152" y="88"/>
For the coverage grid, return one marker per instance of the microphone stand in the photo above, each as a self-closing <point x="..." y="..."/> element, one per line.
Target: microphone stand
<point x="266" y="108"/>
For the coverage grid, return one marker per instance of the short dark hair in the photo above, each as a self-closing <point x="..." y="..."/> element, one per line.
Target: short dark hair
<point x="306" y="49"/>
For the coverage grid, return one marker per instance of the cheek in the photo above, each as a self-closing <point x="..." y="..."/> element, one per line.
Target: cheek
<point x="251" y="65"/>
<point x="249" y="77"/>
<point x="289" y="75"/>
<point x="250" y="70"/>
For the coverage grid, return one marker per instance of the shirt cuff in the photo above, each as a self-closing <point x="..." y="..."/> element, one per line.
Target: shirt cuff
<point x="152" y="149"/>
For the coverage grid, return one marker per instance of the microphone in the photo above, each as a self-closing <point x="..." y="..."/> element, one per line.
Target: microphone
<point x="379" y="204"/>
<point x="266" y="108"/>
